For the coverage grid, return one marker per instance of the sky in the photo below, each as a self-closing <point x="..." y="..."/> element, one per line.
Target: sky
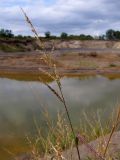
<point x="72" y="16"/>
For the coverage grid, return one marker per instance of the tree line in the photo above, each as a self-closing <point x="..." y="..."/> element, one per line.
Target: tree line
<point x="109" y="35"/>
<point x="6" y="33"/>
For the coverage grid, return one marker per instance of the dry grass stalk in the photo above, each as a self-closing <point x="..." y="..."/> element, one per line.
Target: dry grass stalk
<point x="115" y="126"/>
<point x="32" y="28"/>
<point x="56" y="140"/>
<point x="48" y="60"/>
<point x="89" y="147"/>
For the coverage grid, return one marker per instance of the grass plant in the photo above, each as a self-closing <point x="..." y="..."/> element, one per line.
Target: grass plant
<point x="47" y="58"/>
<point x="59" y="138"/>
<point x="62" y="136"/>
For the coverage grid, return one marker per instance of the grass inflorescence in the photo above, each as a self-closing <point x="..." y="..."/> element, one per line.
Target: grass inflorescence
<point x="62" y="135"/>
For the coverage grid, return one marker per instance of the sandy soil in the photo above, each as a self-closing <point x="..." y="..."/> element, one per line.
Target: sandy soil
<point x="68" y="62"/>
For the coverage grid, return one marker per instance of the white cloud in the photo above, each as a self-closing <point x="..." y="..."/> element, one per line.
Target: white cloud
<point x="72" y="16"/>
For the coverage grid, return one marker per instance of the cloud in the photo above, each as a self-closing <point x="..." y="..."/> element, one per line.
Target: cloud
<point x="73" y="17"/>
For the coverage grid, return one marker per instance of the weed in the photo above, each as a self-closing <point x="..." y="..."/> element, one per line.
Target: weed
<point x="55" y="76"/>
<point x="112" y="65"/>
<point x="61" y="137"/>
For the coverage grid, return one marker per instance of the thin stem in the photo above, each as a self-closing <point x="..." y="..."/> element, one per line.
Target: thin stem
<point x="69" y="119"/>
<point x="62" y="99"/>
<point x="112" y="132"/>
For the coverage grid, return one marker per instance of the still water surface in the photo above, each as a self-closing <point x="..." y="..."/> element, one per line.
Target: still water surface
<point x="22" y="102"/>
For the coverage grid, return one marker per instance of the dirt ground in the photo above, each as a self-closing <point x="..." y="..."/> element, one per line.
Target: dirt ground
<point x="68" y="63"/>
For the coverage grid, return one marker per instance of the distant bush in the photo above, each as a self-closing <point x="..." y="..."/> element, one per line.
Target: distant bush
<point x="93" y="54"/>
<point x="112" y="34"/>
<point x="112" y="65"/>
<point x="85" y="37"/>
<point x="109" y="35"/>
<point x="76" y="37"/>
<point x="47" y="34"/>
<point x="6" y="33"/>
<point x="64" y="35"/>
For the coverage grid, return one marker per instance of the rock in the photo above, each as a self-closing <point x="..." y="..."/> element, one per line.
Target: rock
<point x="23" y="157"/>
<point x="113" y="149"/>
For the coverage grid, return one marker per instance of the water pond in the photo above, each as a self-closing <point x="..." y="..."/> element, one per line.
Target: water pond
<point x="23" y="102"/>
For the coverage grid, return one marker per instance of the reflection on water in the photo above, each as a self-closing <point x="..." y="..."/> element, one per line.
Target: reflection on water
<point x="21" y="102"/>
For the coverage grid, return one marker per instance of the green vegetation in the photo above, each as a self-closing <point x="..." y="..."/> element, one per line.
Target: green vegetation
<point x="113" y="35"/>
<point x="6" y="33"/>
<point x="47" y="34"/>
<point x="109" y="35"/>
<point x="64" y="35"/>
<point x="59" y="137"/>
<point x="112" y="65"/>
<point x="11" y="48"/>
